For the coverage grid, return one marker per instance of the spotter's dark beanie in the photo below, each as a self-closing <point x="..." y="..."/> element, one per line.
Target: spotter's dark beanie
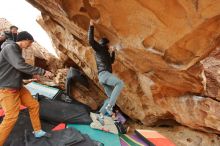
<point x="24" y="35"/>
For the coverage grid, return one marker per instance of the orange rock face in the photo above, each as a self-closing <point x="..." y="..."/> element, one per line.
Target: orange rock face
<point x="167" y="53"/>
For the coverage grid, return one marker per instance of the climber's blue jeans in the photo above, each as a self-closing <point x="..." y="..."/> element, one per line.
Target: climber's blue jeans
<point x="112" y="86"/>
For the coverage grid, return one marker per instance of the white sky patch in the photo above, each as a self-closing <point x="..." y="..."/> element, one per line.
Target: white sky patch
<point x="24" y="15"/>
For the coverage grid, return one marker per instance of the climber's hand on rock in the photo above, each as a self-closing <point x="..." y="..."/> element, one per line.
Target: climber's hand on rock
<point x="48" y="75"/>
<point x="91" y="22"/>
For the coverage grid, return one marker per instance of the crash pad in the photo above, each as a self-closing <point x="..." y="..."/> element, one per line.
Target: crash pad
<point x="153" y="138"/>
<point x="47" y="91"/>
<point x="108" y="139"/>
<point x="16" y="137"/>
<point x="59" y="127"/>
<point x="60" y="112"/>
<point x="131" y="140"/>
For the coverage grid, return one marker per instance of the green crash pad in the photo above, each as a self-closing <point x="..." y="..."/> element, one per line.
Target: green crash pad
<point x="108" y="139"/>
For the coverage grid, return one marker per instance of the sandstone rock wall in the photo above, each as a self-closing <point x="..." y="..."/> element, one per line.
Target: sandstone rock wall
<point x="167" y="53"/>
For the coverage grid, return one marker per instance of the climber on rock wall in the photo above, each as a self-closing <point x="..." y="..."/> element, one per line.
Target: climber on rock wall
<point x="105" y="57"/>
